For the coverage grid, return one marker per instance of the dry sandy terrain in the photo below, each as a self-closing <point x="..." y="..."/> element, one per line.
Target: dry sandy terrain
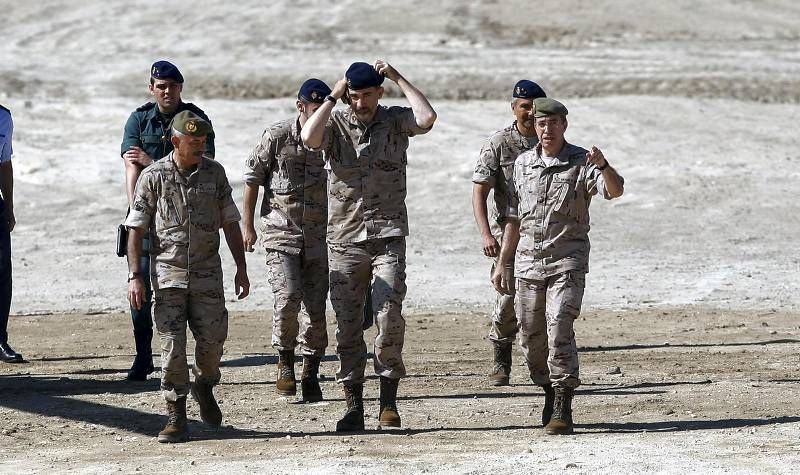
<point x="695" y="273"/>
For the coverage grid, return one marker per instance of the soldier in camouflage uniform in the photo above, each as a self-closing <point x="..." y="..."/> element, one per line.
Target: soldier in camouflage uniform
<point x="547" y="250"/>
<point x="183" y="201"/>
<point x="492" y="173"/>
<point x="143" y="143"/>
<point x="293" y="224"/>
<point x="365" y="154"/>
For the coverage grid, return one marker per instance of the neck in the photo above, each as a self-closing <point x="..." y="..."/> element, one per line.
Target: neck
<point x="169" y="111"/>
<point x="553" y="149"/>
<point x="525" y="131"/>
<point x="184" y="163"/>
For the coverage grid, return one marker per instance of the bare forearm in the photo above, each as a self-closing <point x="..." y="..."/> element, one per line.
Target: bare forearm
<point x="313" y="131"/>
<point x="7" y="183"/>
<point x="510" y="242"/>
<point x="423" y="111"/>
<point x="250" y="200"/>
<point x="614" y="183"/>
<point x="135" y="236"/>
<point x="479" y="209"/>
<point x="233" y="236"/>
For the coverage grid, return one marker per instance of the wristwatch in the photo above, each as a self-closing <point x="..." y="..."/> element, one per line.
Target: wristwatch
<point x="133" y="275"/>
<point x="330" y="98"/>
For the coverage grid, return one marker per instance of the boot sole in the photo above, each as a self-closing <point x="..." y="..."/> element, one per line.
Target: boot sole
<point x="286" y="392"/>
<point x="172" y="440"/>
<point x="350" y="429"/>
<point x="500" y="382"/>
<point x="567" y="431"/>
<point x="389" y="425"/>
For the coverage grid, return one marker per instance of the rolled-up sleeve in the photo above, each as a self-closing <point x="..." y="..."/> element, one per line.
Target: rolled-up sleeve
<point x="596" y="184"/>
<point x="487" y="165"/>
<point x="259" y="161"/>
<point x="228" y="212"/>
<point x="131" y="136"/>
<point x="408" y="122"/>
<point x="144" y="203"/>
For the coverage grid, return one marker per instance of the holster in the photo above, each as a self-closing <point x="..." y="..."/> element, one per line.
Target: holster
<point x="122" y="240"/>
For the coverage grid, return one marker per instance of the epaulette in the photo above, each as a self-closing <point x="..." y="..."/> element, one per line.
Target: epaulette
<point x="145" y="107"/>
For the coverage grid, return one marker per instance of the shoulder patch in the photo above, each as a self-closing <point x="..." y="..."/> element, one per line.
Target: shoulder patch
<point x="146" y="106"/>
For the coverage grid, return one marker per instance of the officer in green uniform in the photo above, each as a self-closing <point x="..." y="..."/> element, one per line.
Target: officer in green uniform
<point x="143" y="143"/>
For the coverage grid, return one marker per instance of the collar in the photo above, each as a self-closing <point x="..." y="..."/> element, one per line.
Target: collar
<point x="561" y="159"/>
<point x="179" y="177"/>
<point x="381" y="115"/>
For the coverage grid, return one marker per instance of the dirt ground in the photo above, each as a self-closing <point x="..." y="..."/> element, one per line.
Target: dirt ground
<point x="697" y="390"/>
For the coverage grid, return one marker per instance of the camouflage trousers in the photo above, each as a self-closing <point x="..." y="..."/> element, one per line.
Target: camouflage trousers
<point x="297" y="280"/>
<point x="546" y="310"/>
<point x="504" y="325"/>
<point x="202" y="307"/>
<point x="352" y="267"/>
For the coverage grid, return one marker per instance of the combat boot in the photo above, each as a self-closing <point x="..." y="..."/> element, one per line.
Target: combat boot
<point x="143" y="363"/>
<point x="501" y="372"/>
<point x="285" y="383"/>
<point x="209" y="409"/>
<point x="389" y="416"/>
<point x="561" y="420"/>
<point x="353" y="420"/>
<point x="176" y="430"/>
<point x="549" y="400"/>
<point x="309" y="381"/>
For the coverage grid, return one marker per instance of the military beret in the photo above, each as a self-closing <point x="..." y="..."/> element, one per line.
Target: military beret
<point x="188" y="123"/>
<point x="362" y="76"/>
<point x="313" y="90"/>
<point x="525" y="89"/>
<point x="166" y="70"/>
<point x="546" y="106"/>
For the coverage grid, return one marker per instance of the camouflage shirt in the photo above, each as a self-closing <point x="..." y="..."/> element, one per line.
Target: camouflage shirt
<point x="495" y="168"/>
<point x="183" y="211"/>
<point x="367" y="174"/>
<point x="294" y="208"/>
<point x="552" y="205"/>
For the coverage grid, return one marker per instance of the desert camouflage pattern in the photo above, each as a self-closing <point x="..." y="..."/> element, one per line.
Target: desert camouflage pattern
<point x="503" y="320"/>
<point x="296" y="281"/>
<point x="184" y="212"/>
<point x="495" y="168"/>
<point x="552" y="205"/>
<point x="294" y="208"/>
<point x="352" y="266"/>
<point x="367" y="174"/>
<point x="547" y="310"/>
<point x="202" y="307"/>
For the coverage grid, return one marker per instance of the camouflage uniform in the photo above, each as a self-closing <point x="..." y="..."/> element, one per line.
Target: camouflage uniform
<point x="552" y="205"/>
<point x="367" y="225"/>
<point x="184" y="212"/>
<point x="494" y="168"/>
<point x="293" y="225"/>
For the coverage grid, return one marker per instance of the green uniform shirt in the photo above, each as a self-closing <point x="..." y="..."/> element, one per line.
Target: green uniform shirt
<point x="145" y="129"/>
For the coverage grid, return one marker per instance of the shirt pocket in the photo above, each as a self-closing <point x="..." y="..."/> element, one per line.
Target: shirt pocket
<point x="563" y="192"/>
<point x="289" y="171"/>
<point x="205" y="206"/>
<point x="153" y="145"/>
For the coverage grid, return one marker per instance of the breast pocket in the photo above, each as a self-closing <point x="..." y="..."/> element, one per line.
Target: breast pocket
<point x="563" y="192"/>
<point x="288" y="174"/>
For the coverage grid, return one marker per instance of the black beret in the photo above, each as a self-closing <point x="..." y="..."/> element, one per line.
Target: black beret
<point x="313" y="90"/>
<point x="166" y="70"/>
<point x="525" y="89"/>
<point x="362" y="76"/>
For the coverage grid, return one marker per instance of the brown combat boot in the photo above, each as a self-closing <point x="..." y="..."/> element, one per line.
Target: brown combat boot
<point x="561" y="420"/>
<point x="209" y="409"/>
<point x="549" y="400"/>
<point x="309" y="381"/>
<point x="285" y="383"/>
<point x="353" y="420"/>
<point x="501" y="372"/>
<point x="175" y="431"/>
<point x="389" y="416"/>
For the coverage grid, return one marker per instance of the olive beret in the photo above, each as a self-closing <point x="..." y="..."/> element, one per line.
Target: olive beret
<point x="188" y="123"/>
<point x="546" y="106"/>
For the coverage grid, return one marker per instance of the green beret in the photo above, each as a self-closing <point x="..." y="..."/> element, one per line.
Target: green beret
<point x="188" y="123"/>
<point x="546" y="106"/>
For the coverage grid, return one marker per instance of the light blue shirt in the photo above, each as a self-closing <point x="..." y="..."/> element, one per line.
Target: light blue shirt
<point x="6" y="129"/>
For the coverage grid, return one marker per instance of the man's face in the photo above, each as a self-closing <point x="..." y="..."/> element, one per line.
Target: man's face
<point x="167" y="93"/>
<point x="189" y="147"/>
<point x="550" y="130"/>
<point x="364" y="102"/>
<point x="307" y="109"/>
<point x="523" y="111"/>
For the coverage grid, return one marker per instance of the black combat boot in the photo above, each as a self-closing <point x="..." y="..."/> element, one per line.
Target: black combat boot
<point x="285" y="383"/>
<point x="209" y="409"/>
<point x="549" y="400"/>
<point x="309" y="381"/>
<point x="176" y="429"/>
<point x="501" y="372"/>
<point x="353" y="420"/>
<point x="389" y="416"/>
<point x="143" y="363"/>
<point x="561" y="420"/>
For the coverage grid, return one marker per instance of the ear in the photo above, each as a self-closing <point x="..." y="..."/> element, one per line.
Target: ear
<point x="299" y="105"/>
<point x="566" y="124"/>
<point x="380" y="92"/>
<point x="175" y="141"/>
<point x="150" y="87"/>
